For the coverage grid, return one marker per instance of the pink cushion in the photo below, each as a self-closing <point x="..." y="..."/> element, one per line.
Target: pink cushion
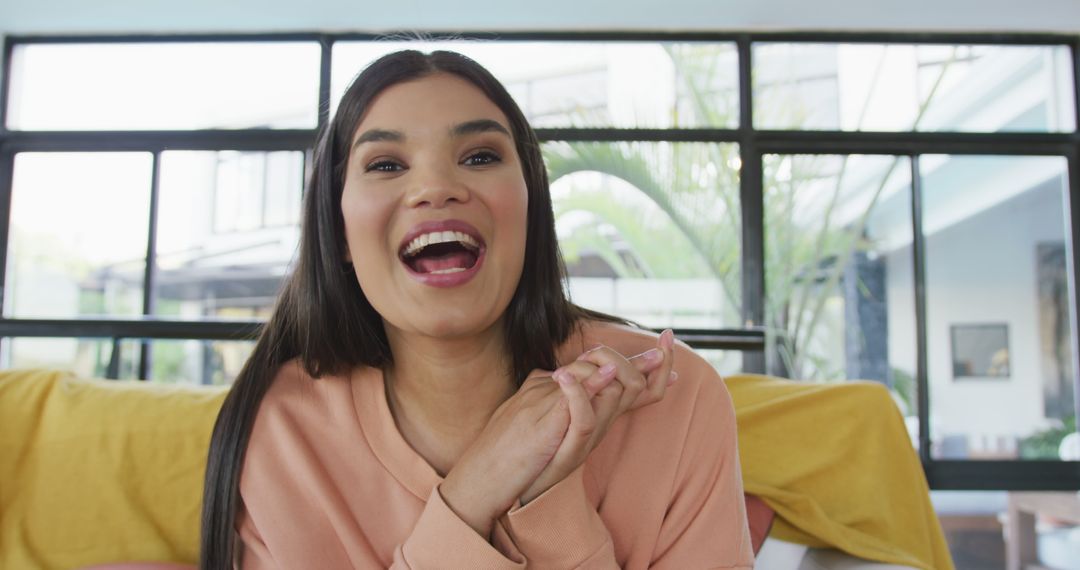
<point x="760" y="516"/>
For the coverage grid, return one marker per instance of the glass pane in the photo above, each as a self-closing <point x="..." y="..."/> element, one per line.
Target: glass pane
<point x="86" y="358"/>
<point x="228" y="227"/>
<point x="594" y="84"/>
<point x="78" y="234"/>
<point x="172" y="361"/>
<point x="164" y="86"/>
<point x="838" y="271"/>
<point x="1000" y="347"/>
<point x="861" y="87"/>
<point x="650" y="231"/>
<point x="198" y="361"/>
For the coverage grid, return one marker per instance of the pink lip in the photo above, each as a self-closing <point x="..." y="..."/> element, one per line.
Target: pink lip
<point x="447" y="279"/>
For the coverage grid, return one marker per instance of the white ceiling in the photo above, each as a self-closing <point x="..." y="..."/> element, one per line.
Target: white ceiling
<point x="157" y="16"/>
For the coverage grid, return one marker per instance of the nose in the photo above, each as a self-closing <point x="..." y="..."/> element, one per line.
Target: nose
<point x="436" y="186"/>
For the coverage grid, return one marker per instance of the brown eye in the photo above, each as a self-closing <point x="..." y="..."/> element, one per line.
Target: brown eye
<point x="384" y="166"/>
<point x="481" y="158"/>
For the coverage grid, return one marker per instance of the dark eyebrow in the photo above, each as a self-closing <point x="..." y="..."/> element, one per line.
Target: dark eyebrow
<point x="479" y="126"/>
<point x="466" y="128"/>
<point x="375" y="135"/>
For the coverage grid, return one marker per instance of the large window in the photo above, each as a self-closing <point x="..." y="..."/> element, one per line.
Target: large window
<point x="829" y="208"/>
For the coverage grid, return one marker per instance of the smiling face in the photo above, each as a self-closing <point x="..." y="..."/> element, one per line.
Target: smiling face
<point x="435" y="208"/>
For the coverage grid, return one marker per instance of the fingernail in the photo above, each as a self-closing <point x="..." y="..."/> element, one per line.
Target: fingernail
<point x="672" y="377"/>
<point x="562" y="377"/>
<point x="654" y="355"/>
<point x="607" y="370"/>
<point x="667" y="338"/>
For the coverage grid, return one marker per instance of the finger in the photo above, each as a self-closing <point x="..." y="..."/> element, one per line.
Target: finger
<point x="632" y="380"/>
<point x="582" y="417"/>
<point x="606" y="406"/>
<point x="593" y="378"/>
<point x="537" y="387"/>
<point x="645" y="362"/>
<point x="660" y="378"/>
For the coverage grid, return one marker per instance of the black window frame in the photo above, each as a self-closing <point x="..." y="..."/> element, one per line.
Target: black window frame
<point x="753" y="145"/>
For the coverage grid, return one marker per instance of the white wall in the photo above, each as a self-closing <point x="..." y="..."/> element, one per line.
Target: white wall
<point x="981" y="270"/>
<point x="102" y="16"/>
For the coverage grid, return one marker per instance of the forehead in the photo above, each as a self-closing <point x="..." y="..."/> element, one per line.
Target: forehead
<point x="434" y="102"/>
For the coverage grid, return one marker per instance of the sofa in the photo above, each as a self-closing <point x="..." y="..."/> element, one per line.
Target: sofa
<point x="99" y="472"/>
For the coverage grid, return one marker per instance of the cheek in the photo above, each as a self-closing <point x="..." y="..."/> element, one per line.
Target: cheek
<point x="511" y="212"/>
<point x="517" y="212"/>
<point x="366" y="219"/>
<point x="508" y="200"/>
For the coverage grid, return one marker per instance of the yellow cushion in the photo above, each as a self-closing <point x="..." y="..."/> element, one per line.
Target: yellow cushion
<point x="97" y="471"/>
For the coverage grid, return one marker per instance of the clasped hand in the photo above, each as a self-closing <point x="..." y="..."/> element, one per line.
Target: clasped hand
<point x="547" y="428"/>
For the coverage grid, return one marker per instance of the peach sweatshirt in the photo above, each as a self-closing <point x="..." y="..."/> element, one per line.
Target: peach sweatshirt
<point x="328" y="482"/>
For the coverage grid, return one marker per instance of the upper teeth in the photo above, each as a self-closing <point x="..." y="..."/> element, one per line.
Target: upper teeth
<point x="423" y="240"/>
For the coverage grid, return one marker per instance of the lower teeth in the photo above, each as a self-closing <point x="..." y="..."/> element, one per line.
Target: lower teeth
<point x="445" y="271"/>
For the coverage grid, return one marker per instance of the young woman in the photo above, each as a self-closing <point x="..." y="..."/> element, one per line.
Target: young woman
<point x="425" y="395"/>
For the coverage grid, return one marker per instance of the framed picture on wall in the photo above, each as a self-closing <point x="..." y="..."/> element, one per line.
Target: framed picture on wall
<point x="980" y="351"/>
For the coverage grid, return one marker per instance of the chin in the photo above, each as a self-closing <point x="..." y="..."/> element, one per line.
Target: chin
<point x="444" y="324"/>
<point x="453" y="328"/>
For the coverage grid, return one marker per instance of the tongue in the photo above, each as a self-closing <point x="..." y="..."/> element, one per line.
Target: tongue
<point x="454" y="260"/>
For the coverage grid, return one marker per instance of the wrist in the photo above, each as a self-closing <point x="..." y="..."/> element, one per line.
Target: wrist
<point x="535" y="490"/>
<point x="468" y="505"/>
<point x="545" y="482"/>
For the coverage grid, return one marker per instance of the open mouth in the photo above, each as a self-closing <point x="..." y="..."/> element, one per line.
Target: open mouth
<point x="441" y="253"/>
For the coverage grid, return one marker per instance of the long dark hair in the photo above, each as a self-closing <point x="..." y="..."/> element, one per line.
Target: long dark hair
<point x="322" y="317"/>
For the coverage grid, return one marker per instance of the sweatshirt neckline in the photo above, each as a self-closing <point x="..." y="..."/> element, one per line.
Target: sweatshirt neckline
<point x="386" y="441"/>
<point x="377" y="422"/>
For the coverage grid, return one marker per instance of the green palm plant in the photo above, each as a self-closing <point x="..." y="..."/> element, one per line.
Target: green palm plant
<point x="690" y="225"/>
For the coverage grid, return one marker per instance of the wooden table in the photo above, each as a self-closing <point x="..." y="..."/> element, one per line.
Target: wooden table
<point x="1021" y="552"/>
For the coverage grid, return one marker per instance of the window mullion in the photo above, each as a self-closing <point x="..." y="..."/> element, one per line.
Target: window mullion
<point x="326" y="44"/>
<point x="751" y="199"/>
<point x="5" y="82"/>
<point x="918" y="257"/>
<point x="7" y="172"/>
<point x="150" y="275"/>
<point x="1073" y="234"/>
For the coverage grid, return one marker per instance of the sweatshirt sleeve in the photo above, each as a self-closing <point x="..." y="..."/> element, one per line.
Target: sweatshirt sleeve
<point x="705" y="525"/>
<point x="442" y="540"/>
<point x="560" y="529"/>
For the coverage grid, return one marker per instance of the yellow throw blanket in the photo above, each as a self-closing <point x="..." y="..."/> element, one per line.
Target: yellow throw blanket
<point x="836" y="464"/>
<point x="96" y="471"/>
